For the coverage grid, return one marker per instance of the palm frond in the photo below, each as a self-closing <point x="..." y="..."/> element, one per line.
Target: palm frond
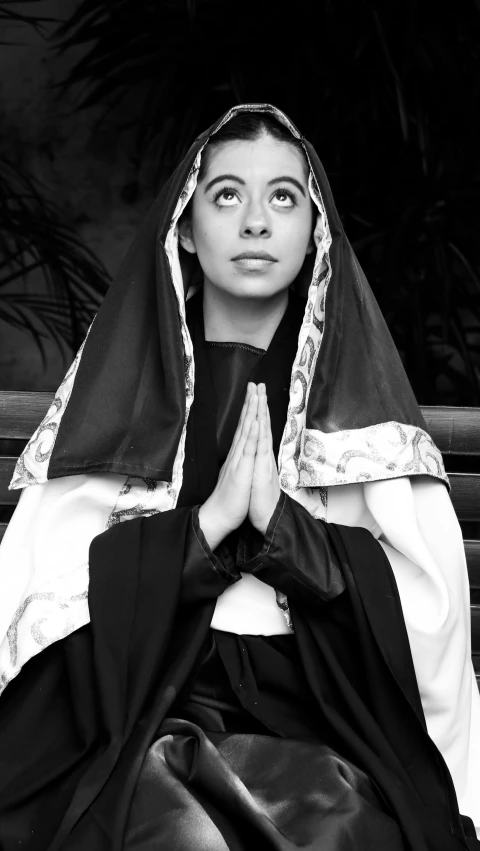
<point x="34" y="237"/>
<point x="387" y="94"/>
<point x="11" y="14"/>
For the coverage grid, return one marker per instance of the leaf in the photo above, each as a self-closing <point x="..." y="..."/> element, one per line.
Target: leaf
<point x="35" y="237"/>
<point x="12" y="16"/>
<point x="388" y="99"/>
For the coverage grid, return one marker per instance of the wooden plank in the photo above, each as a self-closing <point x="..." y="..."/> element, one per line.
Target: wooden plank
<point x="475" y="613"/>
<point x="472" y="552"/>
<point x="466" y="495"/>
<point x="20" y="413"/>
<point x="7" y="466"/>
<point x="456" y="431"/>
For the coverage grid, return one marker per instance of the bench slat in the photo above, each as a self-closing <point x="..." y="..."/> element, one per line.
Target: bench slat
<point x="465" y="490"/>
<point x="466" y="495"/>
<point x="7" y="466"/>
<point x="20" y="413"/>
<point x="472" y="552"/>
<point x="454" y="430"/>
<point x="475" y="613"/>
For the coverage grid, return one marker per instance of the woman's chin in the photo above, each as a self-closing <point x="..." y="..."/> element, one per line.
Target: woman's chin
<point x="253" y="287"/>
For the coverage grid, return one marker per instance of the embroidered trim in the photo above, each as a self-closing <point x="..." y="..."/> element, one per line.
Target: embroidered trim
<point x="64" y="609"/>
<point x="32" y="465"/>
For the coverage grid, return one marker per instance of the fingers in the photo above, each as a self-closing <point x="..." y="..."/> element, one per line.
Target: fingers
<point x="250" y="388"/>
<point x="269" y="429"/>
<point x="246" y="432"/>
<point x="265" y="440"/>
<point x="250" y="448"/>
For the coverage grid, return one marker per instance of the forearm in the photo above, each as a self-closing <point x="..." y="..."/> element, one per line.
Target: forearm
<point x="296" y="557"/>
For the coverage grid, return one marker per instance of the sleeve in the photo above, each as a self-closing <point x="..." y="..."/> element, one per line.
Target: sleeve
<point x="45" y="568"/>
<point x="95" y="695"/>
<point x="422" y="539"/>
<point x="206" y="574"/>
<point x="296" y="558"/>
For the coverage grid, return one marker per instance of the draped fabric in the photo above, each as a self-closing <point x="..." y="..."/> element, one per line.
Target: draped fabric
<point x="124" y="404"/>
<point x="247" y="763"/>
<point x="103" y="693"/>
<point x="244" y="783"/>
<point x="142" y="719"/>
<point x="123" y="441"/>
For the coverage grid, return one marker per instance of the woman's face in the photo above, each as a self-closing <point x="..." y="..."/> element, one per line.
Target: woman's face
<point x="251" y="218"/>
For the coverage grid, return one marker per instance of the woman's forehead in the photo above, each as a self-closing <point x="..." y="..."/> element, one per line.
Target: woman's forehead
<point x="256" y="159"/>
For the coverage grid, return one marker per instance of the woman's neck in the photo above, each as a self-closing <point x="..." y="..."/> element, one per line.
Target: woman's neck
<point x="253" y="321"/>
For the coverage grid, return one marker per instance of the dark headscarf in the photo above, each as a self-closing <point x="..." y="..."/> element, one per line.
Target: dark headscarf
<point x="124" y="404"/>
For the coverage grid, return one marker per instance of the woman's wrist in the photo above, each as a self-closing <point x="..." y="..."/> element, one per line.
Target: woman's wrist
<point x="261" y="521"/>
<point x="212" y="524"/>
<point x="261" y="524"/>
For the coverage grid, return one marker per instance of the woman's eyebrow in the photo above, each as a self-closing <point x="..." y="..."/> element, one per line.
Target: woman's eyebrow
<point x="223" y="177"/>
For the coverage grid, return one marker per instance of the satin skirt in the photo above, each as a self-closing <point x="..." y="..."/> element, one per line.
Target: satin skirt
<point x="241" y="764"/>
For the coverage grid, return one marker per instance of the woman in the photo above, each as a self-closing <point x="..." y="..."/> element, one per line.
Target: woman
<point x="242" y="671"/>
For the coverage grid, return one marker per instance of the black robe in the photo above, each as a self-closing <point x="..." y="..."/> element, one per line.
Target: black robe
<point x="77" y="723"/>
<point x="79" y="719"/>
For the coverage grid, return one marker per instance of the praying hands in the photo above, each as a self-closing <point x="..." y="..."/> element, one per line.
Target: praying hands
<point x="248" y="481"/>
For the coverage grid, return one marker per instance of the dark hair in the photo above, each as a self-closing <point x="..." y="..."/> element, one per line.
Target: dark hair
<point x="248" y="127"/>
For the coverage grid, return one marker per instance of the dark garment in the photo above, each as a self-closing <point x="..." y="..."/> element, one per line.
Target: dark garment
<point x="126" y="410"/>
<point x="84" y="713"/>
<point x="254" y="684"/>
<point x="231" y="367"/>
<point x="325" y="747"/>
<point x="221" y="378"/>
<point x="222" y="374"/>
<point x="244" y="763"/>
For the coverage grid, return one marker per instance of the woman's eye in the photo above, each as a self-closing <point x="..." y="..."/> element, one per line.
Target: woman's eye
<point x="226" y="198"/>
<point x="284" y="198"/>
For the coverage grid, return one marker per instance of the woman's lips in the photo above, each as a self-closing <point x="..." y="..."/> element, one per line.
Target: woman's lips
<point x="254" y="261"/>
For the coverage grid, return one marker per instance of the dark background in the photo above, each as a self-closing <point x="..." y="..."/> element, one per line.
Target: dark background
<point x="99" y="100"/>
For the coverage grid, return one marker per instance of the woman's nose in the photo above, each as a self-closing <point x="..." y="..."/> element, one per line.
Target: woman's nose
<point x="255" y="222"/>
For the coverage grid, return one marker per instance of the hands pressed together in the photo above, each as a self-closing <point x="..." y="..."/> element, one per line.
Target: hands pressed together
<point x="248" y="481"/>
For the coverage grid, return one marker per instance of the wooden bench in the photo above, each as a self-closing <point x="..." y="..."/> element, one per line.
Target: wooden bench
<point x="456" y="431"/>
